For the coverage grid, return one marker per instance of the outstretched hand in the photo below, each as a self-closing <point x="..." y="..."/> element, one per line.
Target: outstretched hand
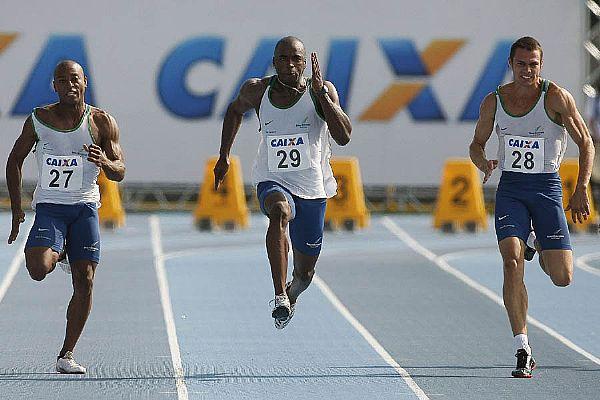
<point x="317" y="79"/>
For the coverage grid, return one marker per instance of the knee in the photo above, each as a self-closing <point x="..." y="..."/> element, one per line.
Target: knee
<point x="512" y="269"/>
<point x="305" y="277"/>
<point x="37" y="273"/>
<point x="562" y="279"/>
<point x="279" y="213"/>
<point x="511" y="266"/>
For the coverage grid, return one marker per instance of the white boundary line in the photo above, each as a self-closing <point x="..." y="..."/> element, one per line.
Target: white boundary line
<point x="443" y="265"/>
<point x="581" y="263"/>
<point x="368" y="337"/>
<point x="165" y="299"/>
<point x="16" y="261"/>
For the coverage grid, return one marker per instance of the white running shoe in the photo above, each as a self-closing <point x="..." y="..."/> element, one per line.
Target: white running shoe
<point x="67" y="365"/>
<point x="281" y="308"/>
<point x="282" y="323"/>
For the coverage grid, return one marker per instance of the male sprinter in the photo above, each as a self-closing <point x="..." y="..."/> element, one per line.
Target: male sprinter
<point x="531" y="117"/>
<point x="72" y="142"/>
<point x="292" y="170"/>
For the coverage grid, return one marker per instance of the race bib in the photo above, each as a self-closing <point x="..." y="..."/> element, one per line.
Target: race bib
<point x="62" y="173"/>
<point x="288" y="152"/>
<point x="523" y="154"/>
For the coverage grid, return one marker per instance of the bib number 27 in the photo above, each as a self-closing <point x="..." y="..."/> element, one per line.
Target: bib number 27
<point x="56" y="175"/>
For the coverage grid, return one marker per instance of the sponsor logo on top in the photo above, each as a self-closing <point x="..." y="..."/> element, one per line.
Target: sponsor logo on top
<point x="524" y="144"/>
<point x="287" y="142"/>
<point x="61" y="162"/>
<point x="304" y="124"/>
<point x="538" y="131"/>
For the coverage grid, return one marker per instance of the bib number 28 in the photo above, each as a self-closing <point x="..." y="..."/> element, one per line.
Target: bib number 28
<point x="523" y="160"/>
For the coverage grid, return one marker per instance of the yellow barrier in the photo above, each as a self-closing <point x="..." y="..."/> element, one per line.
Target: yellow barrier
<point x="569" y="170"/>
<point x="111" y="212"/>
<point x="460" y="201"/>
<point x="347" y="208"/>
<point x="225" y="207"/>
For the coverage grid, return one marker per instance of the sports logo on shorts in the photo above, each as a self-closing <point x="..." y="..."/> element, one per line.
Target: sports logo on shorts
<point x="556" y="235"/>
<point x="92" y="247"/>
<point x="315" y="245"/>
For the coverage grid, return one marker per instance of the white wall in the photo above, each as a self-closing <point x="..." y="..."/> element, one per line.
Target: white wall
<point x="127" y="42"/>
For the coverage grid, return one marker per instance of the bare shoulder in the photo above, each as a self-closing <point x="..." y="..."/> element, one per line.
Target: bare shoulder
<point x="557" y="93"/>
<point x="559" y="99"/>
<point x="254" y="88"/>
<point x="45" y="113"/>
<point x="329" y="85"/>
<point x="102" y="119"/>
<point x="488" y="106"/>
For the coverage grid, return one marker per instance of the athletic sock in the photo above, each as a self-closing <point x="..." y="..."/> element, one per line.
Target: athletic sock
<point x="522" y="342"/>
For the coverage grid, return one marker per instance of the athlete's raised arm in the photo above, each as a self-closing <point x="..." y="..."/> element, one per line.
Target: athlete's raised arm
<point x="338" y="122"/>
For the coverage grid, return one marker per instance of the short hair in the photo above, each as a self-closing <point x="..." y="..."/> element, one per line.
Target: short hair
<point x="67" y="63"/>
<point x="287" y="40"/>
<point x="527" y="43"/>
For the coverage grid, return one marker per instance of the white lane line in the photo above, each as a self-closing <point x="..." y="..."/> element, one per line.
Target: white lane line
<point x="165" y="299"/>
<point x="16" y="261"/>
<point x="582" y="263"/>
<point x="443" y="265"/>
<point x="368" y="337"/>
<point x="459" y="254"/>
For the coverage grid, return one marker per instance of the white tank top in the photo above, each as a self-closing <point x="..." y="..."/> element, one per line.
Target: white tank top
<point x="294" y="148"/>
<point x="64" y="174"/>
<point x="532" y="143"/>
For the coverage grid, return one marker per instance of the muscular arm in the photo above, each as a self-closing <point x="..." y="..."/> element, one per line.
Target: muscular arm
<point x="248" y="98"/>
<point x="483" y="131"/>
<point x="14" y="165"/>
<point x="338" y="122"/>
<point x="112" y="163"/>
<point x="562" y="102"/>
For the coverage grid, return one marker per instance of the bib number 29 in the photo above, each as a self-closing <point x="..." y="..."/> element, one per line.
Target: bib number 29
<point x="54" y="183"/>
<point x="293" y="156"/>
<point x="523" y="160"/>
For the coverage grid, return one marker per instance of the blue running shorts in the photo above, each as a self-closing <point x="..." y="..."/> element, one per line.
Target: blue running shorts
<point x="77" y="223"/>
<point x="523" y="200"/>
<point x="308" y="217"/>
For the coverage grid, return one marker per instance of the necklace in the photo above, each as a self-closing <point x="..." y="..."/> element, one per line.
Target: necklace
<point x="291" y="87"/>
